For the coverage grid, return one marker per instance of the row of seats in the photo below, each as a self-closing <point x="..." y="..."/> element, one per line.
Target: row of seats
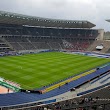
<point x="23" y="43"/>
<point x="76" y="45"/>
<point x="33" y="43"/>
<point x="38" y="31"/>
<point x="4" y="47"/>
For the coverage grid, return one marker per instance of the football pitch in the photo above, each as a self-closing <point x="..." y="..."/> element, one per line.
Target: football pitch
<point x="36" y="70"/>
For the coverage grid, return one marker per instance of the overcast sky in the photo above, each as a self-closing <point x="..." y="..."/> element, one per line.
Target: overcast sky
<point x="95" y="11"/>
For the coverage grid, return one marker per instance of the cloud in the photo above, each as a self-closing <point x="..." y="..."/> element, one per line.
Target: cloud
<point x="95" y="11"/>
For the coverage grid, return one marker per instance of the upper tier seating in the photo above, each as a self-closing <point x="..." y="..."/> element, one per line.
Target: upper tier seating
<point x="33" y="38"/>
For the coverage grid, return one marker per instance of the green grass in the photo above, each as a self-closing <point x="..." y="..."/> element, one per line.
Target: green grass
<point x="36" y="70"/>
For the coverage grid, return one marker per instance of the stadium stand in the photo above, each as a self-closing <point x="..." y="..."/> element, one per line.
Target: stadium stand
<point x="92" y="101"/>
<point x="47" y="41"/>
<point x="108" y="50"/>
<point x="4" y="47"/>
<point x="98" y="43"/>
<point x="22" y="33"/>
<point x="48" y="34"/>
<point x="107" y="36"/>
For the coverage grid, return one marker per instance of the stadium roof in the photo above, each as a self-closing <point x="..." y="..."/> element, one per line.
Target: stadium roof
<point x="19" y="19"/>
<point x="108" y="20"/>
